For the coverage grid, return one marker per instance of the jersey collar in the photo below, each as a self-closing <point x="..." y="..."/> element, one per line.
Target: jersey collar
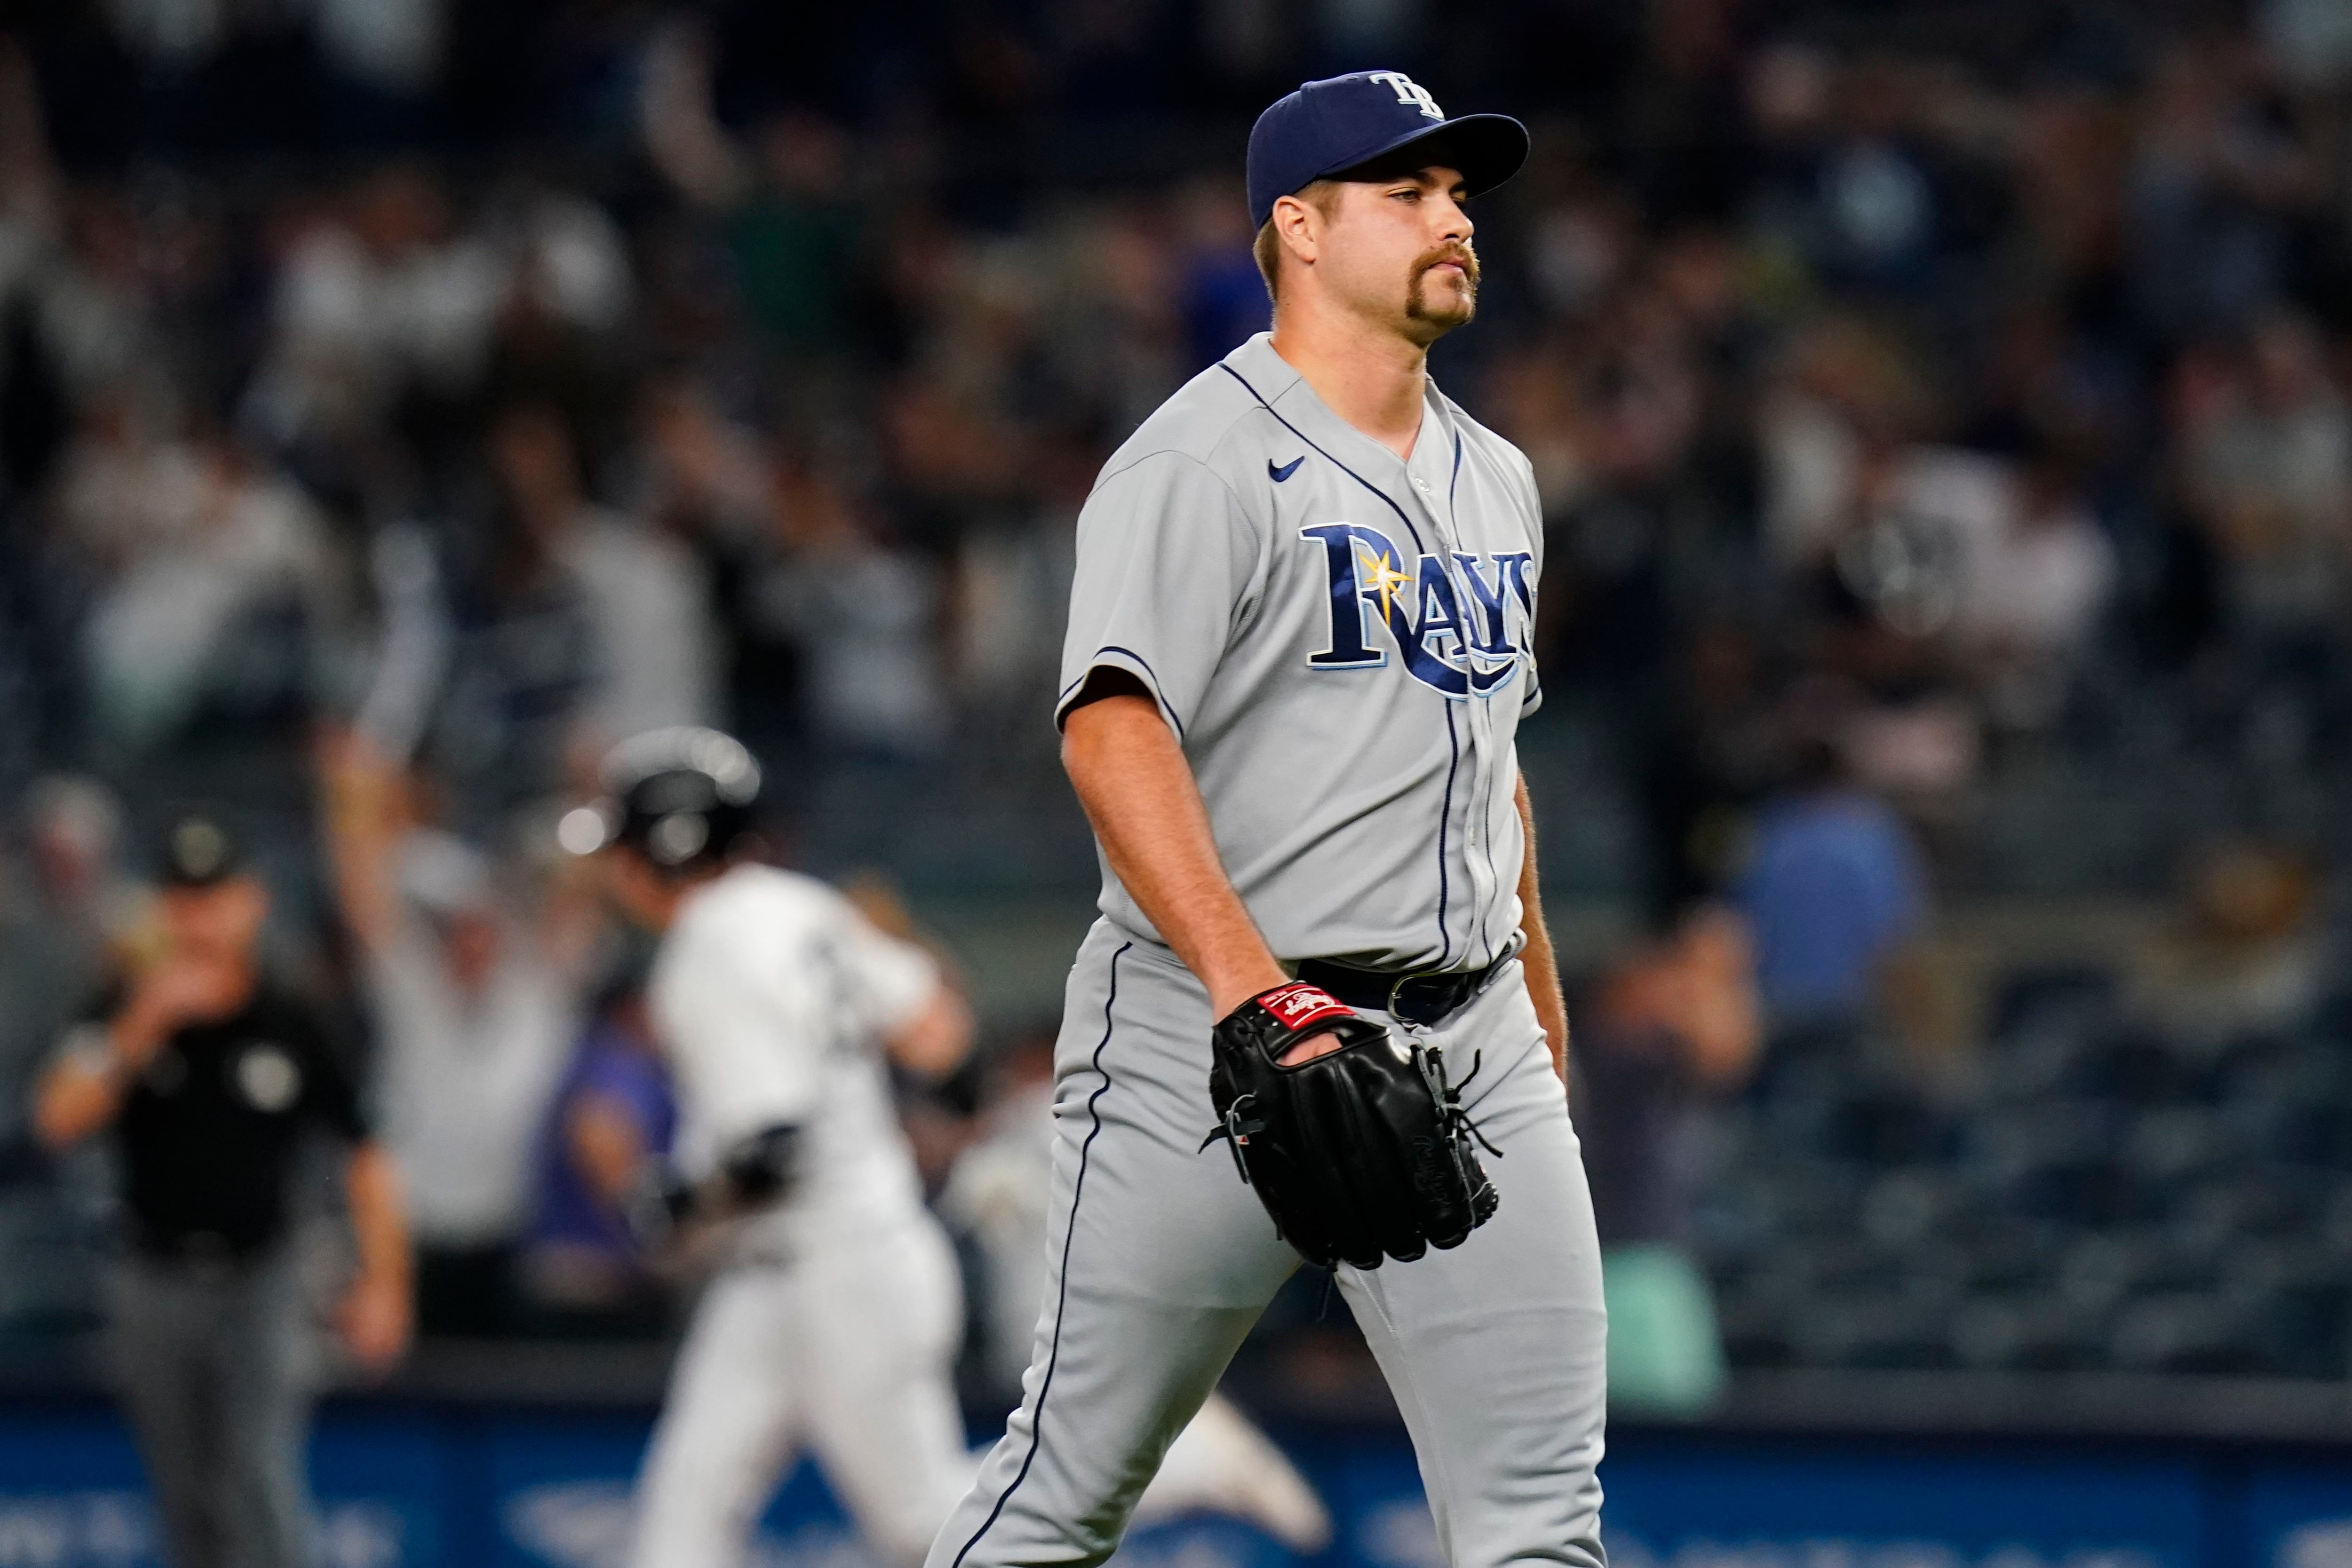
<point x="1417" y="485"/>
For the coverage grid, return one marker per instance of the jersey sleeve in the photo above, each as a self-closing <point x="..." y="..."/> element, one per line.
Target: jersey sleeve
<point x="889" y="982"/>
<point x="1164" y="555"/>
<point x="745" y="1042"/>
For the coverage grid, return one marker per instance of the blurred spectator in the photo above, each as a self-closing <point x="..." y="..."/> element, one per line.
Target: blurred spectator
<point x="378" y="297"/>
<point x="2267" y="460"/>
<point x="474" y="1001"/>
<point x="384" y="55"/>
<point x="610" y="1116"/>
<point x="1877" y="217"/>
<point x="566" y="294"/>
<point x="74" y="833"/>
<point x="1880" y="533"/>
<point x="798" y="241"/>
<point x="1642" y="507"/>
<point x="569" y="624"/>
<point x="222" y="615"/>
<point x="957" y="440"/>
<point x="1139" y="302"/>
<point x="1834" y="888"/>
<point x="390" y="320"/>
<point x="68" y="919"/>
<point x="210" y="1074"/>
<point x="2244" y="956"/>
<point x="2037" y="573"/>
<point x="866" y="615"/>
<point x="710" y="482"/>
<point x="1222" y="294"/>
<point x="1710" y="752"/>
<point x="2215" y="186"/>
<point x="1579" y="250"/>
<point x="646" y="600"/>
<point x="94" y="309"/>
<point x="1837" y="430"/>
<point x="2309" y="40"/>
<point x="501" y="694"/>
<point x="1673" y="1027"/>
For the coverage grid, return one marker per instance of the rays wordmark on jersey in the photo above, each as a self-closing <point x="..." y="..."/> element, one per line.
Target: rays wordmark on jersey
<point x="1461" y="622"/>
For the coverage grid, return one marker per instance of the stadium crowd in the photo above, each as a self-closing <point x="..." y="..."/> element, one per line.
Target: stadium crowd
<point x="1947" y="480"/>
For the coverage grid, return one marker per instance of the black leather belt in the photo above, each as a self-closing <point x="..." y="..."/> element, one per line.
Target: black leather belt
<point x="1425" y="999"/>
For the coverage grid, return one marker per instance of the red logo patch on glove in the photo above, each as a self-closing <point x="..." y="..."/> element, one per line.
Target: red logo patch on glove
<point x="1298" y="1005"/>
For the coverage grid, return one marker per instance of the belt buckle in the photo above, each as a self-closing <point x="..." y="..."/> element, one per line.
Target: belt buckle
<point x="1396" y="991"/>
<point x="1467" y="983"/>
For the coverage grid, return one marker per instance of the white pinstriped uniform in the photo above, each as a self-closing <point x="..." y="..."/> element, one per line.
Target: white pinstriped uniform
<point x="834" y="1327"/>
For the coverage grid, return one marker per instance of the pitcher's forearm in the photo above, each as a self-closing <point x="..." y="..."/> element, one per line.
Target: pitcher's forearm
<point x="1542" y="971"/>
<point x="1139" y="792"/>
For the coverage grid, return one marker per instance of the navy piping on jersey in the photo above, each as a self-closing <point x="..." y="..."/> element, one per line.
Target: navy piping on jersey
<point x="1077" y="1191"/>
<point x="1494" y="875"/>
<point x="1486" y="941"/>
<point x="1403" y="515"/>
<point x="1495" y="891"/>
<point x="1445" y="821"/>
<point x="1486" y="910"/>
<point x="1454" y="483"/>
<point x="1157" y="695"/>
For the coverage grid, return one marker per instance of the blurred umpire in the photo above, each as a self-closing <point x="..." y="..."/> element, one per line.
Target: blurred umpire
<point x="211" y="1077"/>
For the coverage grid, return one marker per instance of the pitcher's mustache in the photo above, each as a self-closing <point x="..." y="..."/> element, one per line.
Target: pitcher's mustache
<point x="1461" y="255"/>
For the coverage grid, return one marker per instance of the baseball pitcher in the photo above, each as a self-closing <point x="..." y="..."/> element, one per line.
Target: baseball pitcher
<point x="1318" y="1017"/>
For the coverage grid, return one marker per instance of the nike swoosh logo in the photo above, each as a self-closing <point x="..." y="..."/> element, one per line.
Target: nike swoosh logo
<point x="1285" y="471"/>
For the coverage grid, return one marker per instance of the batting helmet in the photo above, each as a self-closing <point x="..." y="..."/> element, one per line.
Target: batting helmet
<point x="681" y="797"/>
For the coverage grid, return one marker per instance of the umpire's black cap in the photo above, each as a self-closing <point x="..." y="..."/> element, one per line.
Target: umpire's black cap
<point x="681" y="797"/>
<point x="197" y="851"/>
<point x="1339" y="123"/>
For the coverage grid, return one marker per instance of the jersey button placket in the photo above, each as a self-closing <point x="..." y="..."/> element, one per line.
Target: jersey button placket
<point x="1482" y="831"/>
<point x="1493" y="797"/>
<point x="1444" y="541"/>
<point x="1476" y="720"/>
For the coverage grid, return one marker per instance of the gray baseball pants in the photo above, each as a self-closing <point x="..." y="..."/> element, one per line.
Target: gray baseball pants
<point x="1160" y="1260"/>
<point x="214" y="1361"/>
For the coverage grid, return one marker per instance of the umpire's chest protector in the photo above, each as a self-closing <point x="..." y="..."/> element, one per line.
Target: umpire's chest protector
<point x="1342" y="640"/>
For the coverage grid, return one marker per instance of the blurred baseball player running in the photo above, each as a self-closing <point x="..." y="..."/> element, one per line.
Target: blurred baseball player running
<point x="1297" y="654"/>
<point x="832" y="1322"/>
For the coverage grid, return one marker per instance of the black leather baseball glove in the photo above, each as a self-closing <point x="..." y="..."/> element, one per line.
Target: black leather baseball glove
<point x="1362" y="1152"/>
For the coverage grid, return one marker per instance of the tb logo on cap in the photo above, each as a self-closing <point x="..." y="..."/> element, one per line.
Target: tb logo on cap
<point x="1410" y="91"/>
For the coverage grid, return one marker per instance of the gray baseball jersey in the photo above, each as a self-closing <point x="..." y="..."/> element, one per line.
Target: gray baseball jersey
<point x="1341" y="639"/>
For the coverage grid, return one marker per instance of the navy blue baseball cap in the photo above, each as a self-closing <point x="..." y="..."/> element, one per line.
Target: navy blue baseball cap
<point x="1328" y="127"/>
